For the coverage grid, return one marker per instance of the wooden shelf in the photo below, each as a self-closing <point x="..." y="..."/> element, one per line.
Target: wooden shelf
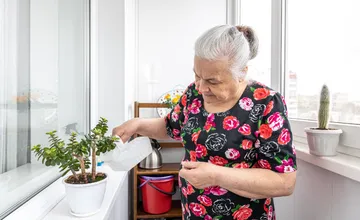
<point x="152" y="105"/>
<point x="171" y="144"/>
<point x="167" y="168"/>
<point x="174" y="212"/>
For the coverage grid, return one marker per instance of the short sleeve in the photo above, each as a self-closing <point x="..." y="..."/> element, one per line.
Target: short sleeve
<point x="275" y="148"/>
<point x="176" y="117"/>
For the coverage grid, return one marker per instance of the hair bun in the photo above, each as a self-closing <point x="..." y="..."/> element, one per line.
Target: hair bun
<point x="251" y="37"/>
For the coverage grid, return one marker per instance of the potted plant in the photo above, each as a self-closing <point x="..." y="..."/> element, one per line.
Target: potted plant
<point x="323" y="140"/>
<point x="84" y="188"/>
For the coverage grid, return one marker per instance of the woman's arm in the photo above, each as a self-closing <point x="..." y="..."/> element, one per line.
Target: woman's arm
<point x="248" y="194"/>
<point x="254" y="182"/>
<point x="150" y="127"/>
<point x="153" y="127"/>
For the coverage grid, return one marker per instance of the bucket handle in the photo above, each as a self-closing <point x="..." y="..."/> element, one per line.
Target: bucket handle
<point x="166" y="193"/>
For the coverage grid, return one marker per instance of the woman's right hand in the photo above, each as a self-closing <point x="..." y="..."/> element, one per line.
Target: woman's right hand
<point x="127" y="129"/>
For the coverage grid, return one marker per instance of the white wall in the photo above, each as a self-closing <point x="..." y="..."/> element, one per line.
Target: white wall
<point x="167" y="33"/>
<point x="320" y="195"/>
<point x="111" y="60"/>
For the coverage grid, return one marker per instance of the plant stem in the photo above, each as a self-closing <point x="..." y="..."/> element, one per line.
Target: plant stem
<point x="82" y="166"/>
<point x="74" y="174"/>
<point x="93" y="162"/>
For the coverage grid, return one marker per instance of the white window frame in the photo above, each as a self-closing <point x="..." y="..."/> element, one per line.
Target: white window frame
<point x="8" y="55"/>
<point x="10" y="24"/>
<point x="3" y="53"/>
<point x="10" y="32"/>
<point x="348" y="143"/>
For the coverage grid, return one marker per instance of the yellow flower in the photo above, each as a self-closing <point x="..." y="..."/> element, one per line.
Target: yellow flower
<point x="167" y="96"/>
<point x="176" y="99"/>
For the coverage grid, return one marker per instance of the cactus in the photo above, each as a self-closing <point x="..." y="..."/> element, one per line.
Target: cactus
<point x="324" y="109"/>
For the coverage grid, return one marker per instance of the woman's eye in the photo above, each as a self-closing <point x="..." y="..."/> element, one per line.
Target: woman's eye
<point x="213" y="82"/>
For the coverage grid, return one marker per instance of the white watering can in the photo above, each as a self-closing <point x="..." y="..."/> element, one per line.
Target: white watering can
<point x="127" y="155"/>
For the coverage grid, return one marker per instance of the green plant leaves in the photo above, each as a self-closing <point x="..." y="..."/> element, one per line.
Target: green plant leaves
<point x="74" y="154"/>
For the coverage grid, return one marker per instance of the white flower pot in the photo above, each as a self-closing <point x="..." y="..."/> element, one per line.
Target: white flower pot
<point x="323" y="142"/>
<point x="85" y="199"/>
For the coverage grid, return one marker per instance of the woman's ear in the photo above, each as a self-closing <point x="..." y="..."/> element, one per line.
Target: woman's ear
<point x="243" y="73"/>
<point x="245" y="70"/>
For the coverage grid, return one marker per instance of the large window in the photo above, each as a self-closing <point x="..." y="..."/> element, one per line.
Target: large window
<point x="303" y="45"/>
<point x="259" y="18"/>
<point x="323" y="47"/>
<point x="43" y="87"/>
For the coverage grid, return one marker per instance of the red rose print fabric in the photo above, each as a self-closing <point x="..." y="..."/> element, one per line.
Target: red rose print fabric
<point x="255" y="133"/>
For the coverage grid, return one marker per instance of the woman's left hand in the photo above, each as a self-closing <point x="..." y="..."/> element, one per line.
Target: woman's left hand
<point x="198" y="174"/>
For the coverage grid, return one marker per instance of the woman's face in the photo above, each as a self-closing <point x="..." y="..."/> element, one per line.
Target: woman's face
<point x="214" y="80"/>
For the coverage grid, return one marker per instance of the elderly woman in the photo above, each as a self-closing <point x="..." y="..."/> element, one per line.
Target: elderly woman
<point x="236" y="134"/>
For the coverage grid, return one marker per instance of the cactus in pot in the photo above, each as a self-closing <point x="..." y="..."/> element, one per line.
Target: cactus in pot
<point x="323" y="140"/>
<point x="324" y="109"/>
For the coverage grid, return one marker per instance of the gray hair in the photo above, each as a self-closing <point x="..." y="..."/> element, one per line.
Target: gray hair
<point x="237" y="43"/>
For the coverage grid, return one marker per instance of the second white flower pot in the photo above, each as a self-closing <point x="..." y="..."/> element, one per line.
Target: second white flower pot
<point x="323" y="142"/>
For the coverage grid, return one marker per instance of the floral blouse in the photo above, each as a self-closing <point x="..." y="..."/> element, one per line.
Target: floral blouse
<point x="255" y="133"/>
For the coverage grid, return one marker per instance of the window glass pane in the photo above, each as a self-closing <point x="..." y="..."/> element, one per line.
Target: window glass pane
<point x="259" y="18"/>
<point x="323" y="48"/>
<point x="43" y="87"/>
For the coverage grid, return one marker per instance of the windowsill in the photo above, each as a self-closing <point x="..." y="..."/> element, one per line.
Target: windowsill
<point x="348" y="140"/>
<point x="342" y="164"/>
<point x="51" y="202"/>
<point x="22" y="182"/>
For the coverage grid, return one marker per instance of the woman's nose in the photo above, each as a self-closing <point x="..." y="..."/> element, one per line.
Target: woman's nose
<point x="202" y="87"/>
